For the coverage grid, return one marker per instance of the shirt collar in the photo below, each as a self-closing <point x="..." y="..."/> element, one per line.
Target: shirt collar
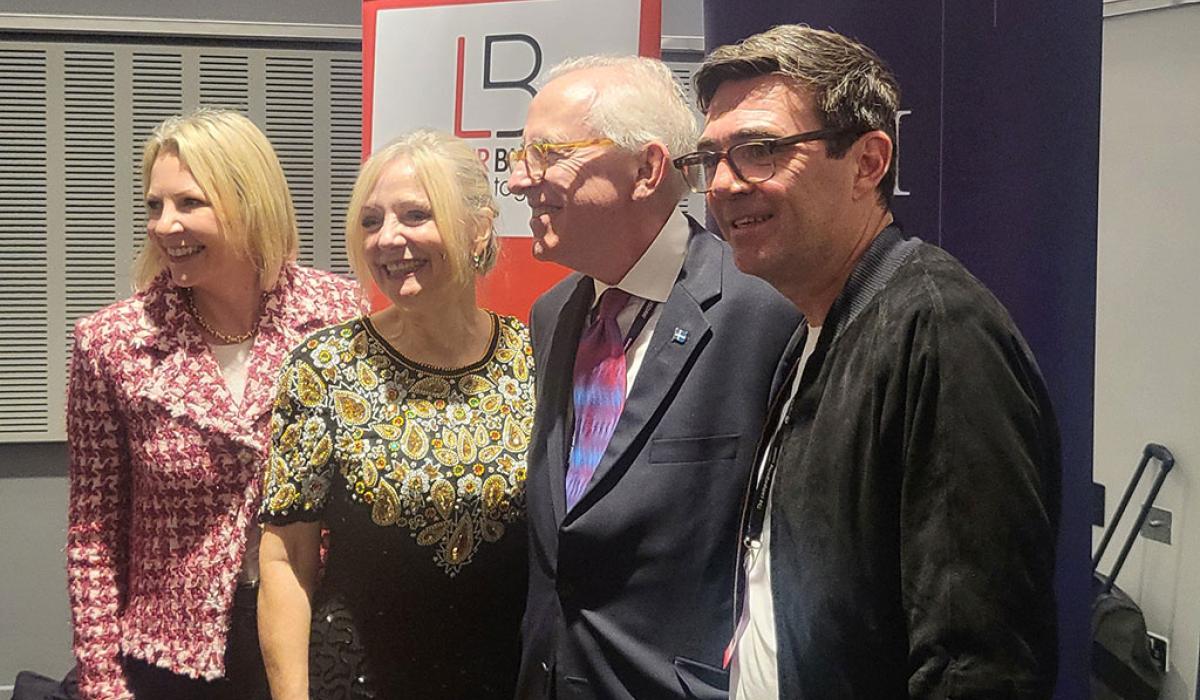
<point x="653" y="275"/>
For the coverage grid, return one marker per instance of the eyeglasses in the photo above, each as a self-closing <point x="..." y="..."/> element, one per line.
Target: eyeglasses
<point x="750" y="161"/>
<point x="539" y="156"/>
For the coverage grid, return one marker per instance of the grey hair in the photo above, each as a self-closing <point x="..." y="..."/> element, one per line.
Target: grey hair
<point x="852" y="88"/>
<point x="646" y="106"/>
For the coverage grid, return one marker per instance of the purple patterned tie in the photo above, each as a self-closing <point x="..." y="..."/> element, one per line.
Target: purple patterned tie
<point x="599" y="390"/>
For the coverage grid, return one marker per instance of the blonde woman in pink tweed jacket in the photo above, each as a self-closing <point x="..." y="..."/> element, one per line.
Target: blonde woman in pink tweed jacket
<point x="168" y="410"/>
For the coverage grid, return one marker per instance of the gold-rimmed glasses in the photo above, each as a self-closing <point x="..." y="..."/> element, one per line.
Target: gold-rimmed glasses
<point x="536" y="157"/>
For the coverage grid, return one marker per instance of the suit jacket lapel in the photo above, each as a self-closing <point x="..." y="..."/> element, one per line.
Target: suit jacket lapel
<point x="665" y="359"/>
<point x="555" y="399"/>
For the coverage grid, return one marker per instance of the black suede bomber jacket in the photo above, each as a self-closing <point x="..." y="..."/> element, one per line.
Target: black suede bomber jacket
<point x="916" y="499"/>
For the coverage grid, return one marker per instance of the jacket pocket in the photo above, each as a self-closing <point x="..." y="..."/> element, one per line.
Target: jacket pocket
<point x="694" y="449"/>
<point x="701" y="681"/>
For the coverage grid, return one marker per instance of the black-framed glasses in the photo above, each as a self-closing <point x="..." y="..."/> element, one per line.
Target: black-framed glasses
<point x="750" y="161"/>
<point x="536" y="157"/>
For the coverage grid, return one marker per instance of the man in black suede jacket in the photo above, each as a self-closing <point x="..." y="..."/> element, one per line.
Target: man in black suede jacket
<point x="898" y="536"/>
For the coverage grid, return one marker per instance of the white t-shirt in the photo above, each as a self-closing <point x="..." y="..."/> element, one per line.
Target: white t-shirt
<point x="234" y="361"/>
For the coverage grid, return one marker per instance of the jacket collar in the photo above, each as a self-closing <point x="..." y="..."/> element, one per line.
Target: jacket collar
<point x="186" y="379"/>
<point x="871" y="274"/>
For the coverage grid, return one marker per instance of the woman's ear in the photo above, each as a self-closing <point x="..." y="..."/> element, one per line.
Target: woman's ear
<point x="482" y="249"/>
<point x="484" y="231"/>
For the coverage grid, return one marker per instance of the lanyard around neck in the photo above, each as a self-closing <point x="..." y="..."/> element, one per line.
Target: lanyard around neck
<point x="760" y="489"/>
<point x="645" y="311"/>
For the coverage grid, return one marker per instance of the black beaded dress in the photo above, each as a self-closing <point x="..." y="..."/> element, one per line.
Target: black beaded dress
<point x="418" y="474"/>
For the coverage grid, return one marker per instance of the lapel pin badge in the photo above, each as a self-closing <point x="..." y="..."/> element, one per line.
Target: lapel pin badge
<point x="680" y="336"/>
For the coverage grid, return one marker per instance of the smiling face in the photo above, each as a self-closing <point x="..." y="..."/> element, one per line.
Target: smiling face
<point x="790" y="227"/>
<point x="401" y="243"/>
<point x="580" y="195"/>
<point x="182" y="223"/>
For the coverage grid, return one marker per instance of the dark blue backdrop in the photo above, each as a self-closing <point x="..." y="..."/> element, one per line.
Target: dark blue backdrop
<point x="999" y="156"/>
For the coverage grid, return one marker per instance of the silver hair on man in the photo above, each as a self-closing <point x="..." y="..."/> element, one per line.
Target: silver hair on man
<point x="649" y="106"/>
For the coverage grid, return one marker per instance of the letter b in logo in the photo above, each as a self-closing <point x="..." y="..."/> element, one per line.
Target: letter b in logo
<point x="524" y="83"/>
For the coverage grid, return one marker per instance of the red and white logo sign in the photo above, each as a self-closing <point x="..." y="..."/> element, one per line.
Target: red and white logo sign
<point x="470" y="67"/>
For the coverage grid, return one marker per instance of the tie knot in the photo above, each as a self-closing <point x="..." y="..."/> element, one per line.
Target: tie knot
<point x="611" y="303"/>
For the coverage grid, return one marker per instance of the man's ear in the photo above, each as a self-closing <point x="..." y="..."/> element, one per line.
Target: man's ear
<point x="873" y="154"/>
<point x="653" y="169"/>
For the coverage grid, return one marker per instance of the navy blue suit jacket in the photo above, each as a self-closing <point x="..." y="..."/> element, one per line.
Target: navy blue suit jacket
<point x="630" y="594"/>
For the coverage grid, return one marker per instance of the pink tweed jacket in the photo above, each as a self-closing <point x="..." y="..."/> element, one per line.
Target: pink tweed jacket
<point x="165" y="472"/>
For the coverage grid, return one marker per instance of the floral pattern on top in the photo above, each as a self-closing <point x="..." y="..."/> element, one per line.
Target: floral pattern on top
<point x="439" y="452"/>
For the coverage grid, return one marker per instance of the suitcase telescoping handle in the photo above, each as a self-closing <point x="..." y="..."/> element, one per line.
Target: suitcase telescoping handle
<point x="1152" y="451"/>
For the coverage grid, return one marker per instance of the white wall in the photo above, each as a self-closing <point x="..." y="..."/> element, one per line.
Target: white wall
<point x="1148" y="306"/>
<point x="35" y="625"/>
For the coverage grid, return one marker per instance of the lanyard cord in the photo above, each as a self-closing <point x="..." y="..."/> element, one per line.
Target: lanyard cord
<point x="761" y="489"/>
<point x="639" y="322"/>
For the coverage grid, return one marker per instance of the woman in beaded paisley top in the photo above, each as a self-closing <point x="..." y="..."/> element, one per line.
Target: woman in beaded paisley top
<point x="403" y="434"/>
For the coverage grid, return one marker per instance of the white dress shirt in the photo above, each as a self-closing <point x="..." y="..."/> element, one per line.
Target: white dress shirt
<point x="651" y="277"/>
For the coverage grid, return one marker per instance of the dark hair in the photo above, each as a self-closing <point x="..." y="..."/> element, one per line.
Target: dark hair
<point x="852" y="88"/>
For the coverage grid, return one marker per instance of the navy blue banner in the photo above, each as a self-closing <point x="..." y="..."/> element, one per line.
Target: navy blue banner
<point x="998" y="156"/>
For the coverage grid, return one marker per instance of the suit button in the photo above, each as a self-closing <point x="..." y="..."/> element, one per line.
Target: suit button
<point x="565" y="591"/>
<point x="545" y="667"/>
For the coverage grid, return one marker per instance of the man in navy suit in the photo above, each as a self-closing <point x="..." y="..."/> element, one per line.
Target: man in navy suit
<point x="631" y="569"/>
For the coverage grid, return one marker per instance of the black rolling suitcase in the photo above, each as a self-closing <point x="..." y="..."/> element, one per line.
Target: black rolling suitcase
<point x="1122" y="667"/>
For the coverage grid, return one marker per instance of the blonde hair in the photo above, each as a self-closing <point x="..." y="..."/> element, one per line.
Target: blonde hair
<point x="238" y="171"/>
<point x="460" y="195"/>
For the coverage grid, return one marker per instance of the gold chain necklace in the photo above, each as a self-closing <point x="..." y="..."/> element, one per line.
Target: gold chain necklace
<point x="224" y="338"/>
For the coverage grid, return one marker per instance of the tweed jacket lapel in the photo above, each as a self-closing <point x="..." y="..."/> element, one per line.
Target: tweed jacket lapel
<point x="286" y="320"/>
<point x="184" y="377"/>
<point x="555" y="400"/>
<point x="663" y="365"/>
